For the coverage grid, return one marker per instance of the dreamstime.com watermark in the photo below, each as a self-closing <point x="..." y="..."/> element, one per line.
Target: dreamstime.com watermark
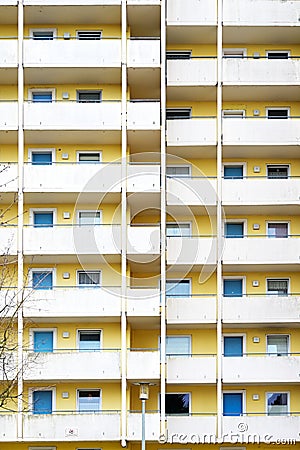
<point x="239" y="437"/>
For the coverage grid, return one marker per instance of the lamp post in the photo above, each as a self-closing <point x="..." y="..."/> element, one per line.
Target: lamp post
<point x="144" y="395"/>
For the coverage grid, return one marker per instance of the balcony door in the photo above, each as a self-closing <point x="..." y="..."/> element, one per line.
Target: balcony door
<point x="43" y="341"/>
<point x="233" y="288"/>
<point x="232" y="404"/>
<point x="233" y="345"/>
<point x="42" y="402"/>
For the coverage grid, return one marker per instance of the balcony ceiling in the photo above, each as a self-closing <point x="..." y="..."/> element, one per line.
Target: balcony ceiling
<point x="191" y="34"/>
<point x="257" y="34"/>
<point x="70" y="14"/>
<point x="9" y="14"/>
<point x="144" y="21"/>
<point x="70" y="75"/>
<point x="253" y="92"/>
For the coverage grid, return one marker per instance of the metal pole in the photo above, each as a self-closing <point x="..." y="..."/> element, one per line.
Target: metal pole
<point x="143" y="424"/>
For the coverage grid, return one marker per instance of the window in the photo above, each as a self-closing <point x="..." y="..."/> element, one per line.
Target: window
<point x="94" y="96"/>
<point x="278" y="229"/>
<point x="89" y="340"/>
<point x="233" y="345"/>
<point x="278" y="54"/>
<point x="278" y="287"/>
<point x="178" y="113"/>
<point x="178" y="345"/>
<point x="41" y="95"/>
<point x="278" y="113"/>
<point x="89" y="157"/>
<point x="41" y="156"/>
<point x="42" y="219"/>
<point x="88" y="279"/>
<point x="277" y="171"/>
<point x="233" y="287"/>
<point x="42" y="401"/>
<point x="233" y="171"/>
<point x="234" y="229"/>
<point x="178" y="288"/>
<point x="278" y="344"/>
<point x="178" y="54"/>
<point x="43" y="34"/>
<point x="178" y="171"/>
<point x="89" y="400"/>
<point x="178" y="404"/>
<point x="43" y="341"/>
<point x="89" y="35"/>
<point x="277" y="403"/>
<point x="178" y="229"/>
<point x="233" y="113"/>
<point x="89" y="217"/>
<point x="42" y="279"/>
<point x="234" y="52"/>
<point x="232" y="404"/>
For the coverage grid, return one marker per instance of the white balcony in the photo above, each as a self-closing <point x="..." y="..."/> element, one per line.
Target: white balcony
<point x="143" y="365"/>
<point x="261" y="309"/>
<point x="192" y="251"/>
<point x="143" y="115"/>
<point x="74" y="366"/>
<point x="261" y="131"/>
<point x="71" y="177"/>
<point x="8" y="427"/>
<point x="143" y="53"/>
<point x="267" y="429"/>
<point x="268" y="369"/>
<point x="191" y="132"/>
<point x="180" y="12"/>
<point x="71" y="115"/>
<point x="260" y="191"/>
<point x="191" y="73"/>
<point x="68" y="240"/>
<point x="196" y="191"/>
<point x="255" y="250"/>
<point x="143" y="302"/>
<point x="8" y="53"/>
<point x="8" y="240"/>
<point x="72" y="53"/>
<point x="194" y="369"/>
<point x="134" y="426"/>
<point x="245" y="12"/>
<point x="143" y="178"/>
<point x="190" y="427"/>
<point x="143" y="243"/>
<point x="9" y="177"/>
<point x="194" y="310"/>
<point x="74" y="426"/>
<point x="244" y="71"/>
<point x="78" y="303"/>
<point x="8" y="115"/>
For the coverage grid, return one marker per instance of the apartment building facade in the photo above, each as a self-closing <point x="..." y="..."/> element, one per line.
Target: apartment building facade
<point x="149" y="178"/>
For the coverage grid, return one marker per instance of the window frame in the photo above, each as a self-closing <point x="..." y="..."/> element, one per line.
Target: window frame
<point x="235" y="277"/>
<point x="243" y="221"/>
<point x="242" y="335"/>
<point x="31" y="390"/>
<point x="278" y="108"/>
<point x="189" y="393"/>
<point x="32" y="30"/>
<point x="37" y="210"/>
<point x="41" y="269"/>
<point x="234" y="52"/>
<point x="88" y="91"/>
<point x="87" y="330"/>
<point x="88" y="389"/>
<point x="287" y="166"/>
<point x="171" y="166"/>
<point x="89" y="211"/>
<point x="278" y="279"/>
<point x="288" y="403"/>
<point x="180" y="355"/>
<point x="34" y="330"/>
<point x="243" y="164"/>
<point x="96" y="152"/>
<point x="33" y="90"/>
<point x="278" y="334"/>
<point x="91" y="286"/>
<point x="89" y="31"/>
<point x="189" y="224"/>
<point x="244" y="402"/>
<point x="189" y="280"/>
<point x="41" y="150"/>
<point x="288" y="52"/>
<point x="286" y="222"/>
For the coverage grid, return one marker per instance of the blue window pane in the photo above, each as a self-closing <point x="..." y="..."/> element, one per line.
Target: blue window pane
<point x="43" y="341"/>
<point x="233" y="172"/>
<point x="234" y="230"/>
<point x="233" y="346"/>
<point x="42" y="97"/>
<point x="42" y="280"/>
<point x="233" y="288"/>
<point x="177" y="289"/>
<point x="43" y="219"/>
<point x="89" y="401"/>
<point x="232" y="404"/>
<point x="42" y="402"/>
<point x="41" y="158"/>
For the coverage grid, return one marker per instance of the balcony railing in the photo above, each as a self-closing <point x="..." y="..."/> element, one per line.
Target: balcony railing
<point x="8" y="115"/>
<point x="196" y="71"/>
<point x="191" y="250"/>
<point x="8" y="177"/>
<point x="143" y="52"/>
<point x="143" y="364"/>
<point x="196" y="191"/>
<point x="195" y="131"/>
<point x="194" y="368"/>
<point x="8" y="240"/>
<point x="192" y="309"/>
<point x="194" y="12"/>
<point x="8" y="52"/>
